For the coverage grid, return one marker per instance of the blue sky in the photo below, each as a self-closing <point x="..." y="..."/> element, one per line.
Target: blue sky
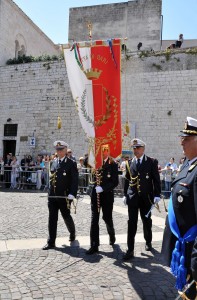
<point x="179" y="16"/>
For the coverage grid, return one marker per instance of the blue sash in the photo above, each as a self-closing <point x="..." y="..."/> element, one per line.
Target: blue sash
<point x="178" y="255"/>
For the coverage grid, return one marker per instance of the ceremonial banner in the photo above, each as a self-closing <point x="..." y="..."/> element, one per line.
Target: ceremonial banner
<point x="94" y="76"/>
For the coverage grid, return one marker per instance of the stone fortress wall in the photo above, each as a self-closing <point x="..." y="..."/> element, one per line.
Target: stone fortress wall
<point x="33" y="95"/>
<point x="19" y="35"/>
<point x="158" y="92"/>
<point x="161" y="91"/>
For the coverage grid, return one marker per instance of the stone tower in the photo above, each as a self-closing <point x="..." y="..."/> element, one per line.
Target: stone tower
<point x="139" y="20"/>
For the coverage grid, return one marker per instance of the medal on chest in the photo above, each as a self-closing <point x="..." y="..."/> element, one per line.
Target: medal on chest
<point x="64" y="174"/>
<point x="147" y="176"/>
<point x="180" y="198"/>
<point x="108" y="175"/>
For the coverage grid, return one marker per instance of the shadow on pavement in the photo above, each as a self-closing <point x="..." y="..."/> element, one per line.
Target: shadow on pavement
<point x="148" y="277"/>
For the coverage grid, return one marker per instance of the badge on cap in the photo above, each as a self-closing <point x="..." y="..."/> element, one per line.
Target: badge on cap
<point x="134" y="142"/>
<point x="60" y="144"/>
<point x="137" y="143"/>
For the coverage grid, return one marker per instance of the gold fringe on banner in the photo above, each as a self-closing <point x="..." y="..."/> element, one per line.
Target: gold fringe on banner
<point x="59" y="123"/>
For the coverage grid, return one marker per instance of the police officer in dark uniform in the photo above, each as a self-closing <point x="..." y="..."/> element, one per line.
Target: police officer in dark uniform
<point x="181" y="222"/>
<point x="105" y="182"/>
<point x="142" y="189"/>
<point x="63" y="182"/>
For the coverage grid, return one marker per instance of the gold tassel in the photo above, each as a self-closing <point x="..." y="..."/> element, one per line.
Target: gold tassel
<point x="59" y="123"/>
<point x="127" y="127"/>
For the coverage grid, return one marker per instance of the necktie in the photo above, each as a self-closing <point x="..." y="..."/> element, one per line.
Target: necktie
<point x="138" y="163"/>
<point x="59" y="162"/>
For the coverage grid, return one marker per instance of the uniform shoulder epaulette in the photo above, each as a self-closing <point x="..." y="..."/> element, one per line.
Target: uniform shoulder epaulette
<point x="192" y="166"/>
<point x="154" y="159"/>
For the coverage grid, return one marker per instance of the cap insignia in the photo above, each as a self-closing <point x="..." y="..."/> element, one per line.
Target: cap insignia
<point x="134" y="142"/>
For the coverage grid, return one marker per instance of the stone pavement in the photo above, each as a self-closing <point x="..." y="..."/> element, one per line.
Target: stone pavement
<point x="27" y="272"/>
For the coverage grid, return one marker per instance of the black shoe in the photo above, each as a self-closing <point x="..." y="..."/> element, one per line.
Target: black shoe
<point x="48" y="246"/>
<point x="128" y="255"/>
<point x="112" y="240"/>
<point x="148" y="247"/>
<point x="72" y="238"/>
<point x="92" y="250"/>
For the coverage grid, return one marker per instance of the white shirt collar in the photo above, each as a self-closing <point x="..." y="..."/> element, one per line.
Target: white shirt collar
<point x="141" y="158"/>
<point x="61" y="159"/>
<point x="106" y="159"/>
<point x="192" y="160"/>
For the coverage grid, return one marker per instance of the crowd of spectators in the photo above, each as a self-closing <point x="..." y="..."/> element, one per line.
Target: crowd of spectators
<point x="168" y="174"/>
<point x="27" y="173"/>
<point x="34" y="173"/>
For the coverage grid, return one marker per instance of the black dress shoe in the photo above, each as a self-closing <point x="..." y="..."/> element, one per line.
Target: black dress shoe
<point x="92" y="250"/>
<point x="112" y="240"/>
<point x="148" y="247"/>
<point x="128" y="255"/>
<point x="72" y="237"/>
<point x="48" y="246"/>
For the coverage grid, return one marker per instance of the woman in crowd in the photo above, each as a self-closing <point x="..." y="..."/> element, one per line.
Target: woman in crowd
<point x="14" y="172"/>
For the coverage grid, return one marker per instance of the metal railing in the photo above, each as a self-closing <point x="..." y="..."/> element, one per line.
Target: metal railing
<point x="38" y="179"/>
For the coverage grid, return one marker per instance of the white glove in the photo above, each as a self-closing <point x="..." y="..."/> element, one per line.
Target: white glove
<point x="156" y="200"/>
<point x="70" y="197"/>
<point x="124" y="200"/>
<point x="98" y="189"/>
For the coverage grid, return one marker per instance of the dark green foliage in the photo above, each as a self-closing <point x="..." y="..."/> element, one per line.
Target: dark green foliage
<point x="27" y="59"/>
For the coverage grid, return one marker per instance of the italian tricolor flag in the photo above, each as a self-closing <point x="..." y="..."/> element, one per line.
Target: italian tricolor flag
<point x="94" y="76"/>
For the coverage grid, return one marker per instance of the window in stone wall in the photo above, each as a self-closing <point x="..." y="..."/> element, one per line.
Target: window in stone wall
<point x="10" y="129"/>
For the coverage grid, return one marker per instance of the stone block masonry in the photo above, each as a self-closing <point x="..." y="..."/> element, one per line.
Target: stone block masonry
<point x="33" y="95"/>
<point x="155" y="100"/>
<point x="138" y="20"/>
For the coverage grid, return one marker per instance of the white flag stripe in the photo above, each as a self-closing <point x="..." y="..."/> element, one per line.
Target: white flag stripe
<point x="81" y="89"/>
<point x="80" y="84"/>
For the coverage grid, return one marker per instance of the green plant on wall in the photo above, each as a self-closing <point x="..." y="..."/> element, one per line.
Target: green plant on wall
<point x="167" y="54"/>
<point x="158" y="67"/>
<point x="143" y="54"/>
<point x="26" y="59"/>
<point x="191" y="51"/>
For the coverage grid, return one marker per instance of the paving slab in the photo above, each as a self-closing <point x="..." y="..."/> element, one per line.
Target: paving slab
<point x="28" y="272"/>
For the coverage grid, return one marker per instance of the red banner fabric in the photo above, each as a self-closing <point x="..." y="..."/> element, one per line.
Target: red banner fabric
<point x="106" y="94"/>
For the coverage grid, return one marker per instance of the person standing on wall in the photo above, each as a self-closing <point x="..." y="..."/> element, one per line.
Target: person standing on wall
<point x="142" y="189"/>
<point x="63" y="189"/>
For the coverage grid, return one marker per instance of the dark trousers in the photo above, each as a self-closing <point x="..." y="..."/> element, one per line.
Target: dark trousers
<point x="7" y="178"/>
<point x="132" y="224"/>
<point x="54" y="205"/>
<point x="106" y="204"/>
